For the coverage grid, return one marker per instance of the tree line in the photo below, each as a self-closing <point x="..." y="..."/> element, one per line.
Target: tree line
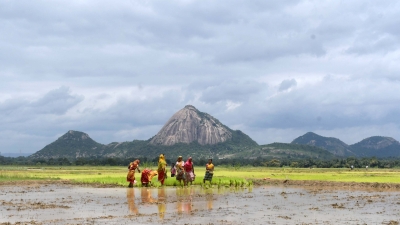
<point x="371" y="162"/>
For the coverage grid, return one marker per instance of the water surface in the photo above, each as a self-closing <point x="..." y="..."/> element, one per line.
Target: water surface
<point x="68" y="204"/>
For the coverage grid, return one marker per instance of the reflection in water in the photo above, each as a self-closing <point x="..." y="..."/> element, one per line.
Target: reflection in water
<point x="179" y="200"/>
<point x="209" y="198"/>
<point x="162" y="199"/>
<point x="130" y="196"/>
<point x="186" y="200"/>
<point x="208" y="193"/>
<point x="188" y="193"/>
<point x="146" y="195"/>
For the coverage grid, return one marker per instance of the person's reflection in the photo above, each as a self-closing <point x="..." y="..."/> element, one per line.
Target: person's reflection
<point x="162" y="199"/>
<point x="188" y="192"/>
<point x="130" y="196"/>
<point x="179" y="200"/>
<point x="209" y="198"/>
<point x="146" y="195"/>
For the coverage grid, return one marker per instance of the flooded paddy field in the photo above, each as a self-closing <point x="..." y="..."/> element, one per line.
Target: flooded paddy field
<point x="46" y="203"/>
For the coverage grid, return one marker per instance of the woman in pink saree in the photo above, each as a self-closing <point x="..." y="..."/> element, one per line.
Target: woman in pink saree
<point x="189" y="171"/>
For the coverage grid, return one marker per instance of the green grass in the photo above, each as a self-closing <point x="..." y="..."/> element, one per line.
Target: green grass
<point x="12" y="175"/>
<point x="223" y="176"/>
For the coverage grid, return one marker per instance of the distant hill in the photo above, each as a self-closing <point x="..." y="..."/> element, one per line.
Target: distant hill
<point x="333" y="145"/>
<point x="286" y="151"/>
<point x="73" y="144"/>
<point x="377" y="146"/>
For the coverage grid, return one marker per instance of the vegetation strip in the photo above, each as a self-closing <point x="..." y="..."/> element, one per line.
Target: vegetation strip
<point x="224" y="176"/>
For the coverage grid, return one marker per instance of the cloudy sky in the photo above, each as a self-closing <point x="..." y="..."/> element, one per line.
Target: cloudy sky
<point x="273" y="69"/>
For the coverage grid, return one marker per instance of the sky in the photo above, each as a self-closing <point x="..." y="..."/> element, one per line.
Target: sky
<point x="118" y="70"/>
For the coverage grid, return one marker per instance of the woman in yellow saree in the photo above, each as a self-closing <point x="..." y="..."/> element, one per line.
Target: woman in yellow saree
<point x="162" y="169"/>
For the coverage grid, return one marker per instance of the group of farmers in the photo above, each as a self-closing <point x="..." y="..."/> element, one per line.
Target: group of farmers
<point x="181" y="170"/>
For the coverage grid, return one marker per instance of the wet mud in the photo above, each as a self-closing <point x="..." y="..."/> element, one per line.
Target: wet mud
<point x="66" y="203"/>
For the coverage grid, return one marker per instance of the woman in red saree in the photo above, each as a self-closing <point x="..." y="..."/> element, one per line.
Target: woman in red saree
<point x="162" y="169"/>
<point x="189" y="171"/>
<point x="130" y="177"/>
<point x="147" y="175"/>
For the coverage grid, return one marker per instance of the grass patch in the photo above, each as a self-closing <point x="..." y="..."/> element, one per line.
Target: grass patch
<point x="223" y="176"/>
<point x="16" y="175"/>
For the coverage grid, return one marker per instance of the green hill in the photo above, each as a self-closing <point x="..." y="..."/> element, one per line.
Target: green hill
<point x="377" y="146"/>
<point x="333" y="145"/>
<point x="73" y="144"/>
<point x="286" y="151"/>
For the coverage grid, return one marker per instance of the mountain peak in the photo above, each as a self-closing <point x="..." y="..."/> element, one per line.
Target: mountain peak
<point x="75" y="135"/>
<point x="190" y="107"/>
<point x="377" y="142"/>
<point x="189" y="125"/>
<point x="72" y="144"/>
<point x="311" y="134"/>
<point x="333" y="145"/>
<point x="377" y="146"/>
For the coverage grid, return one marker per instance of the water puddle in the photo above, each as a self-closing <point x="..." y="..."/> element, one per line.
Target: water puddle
<point x="68" y="204"/>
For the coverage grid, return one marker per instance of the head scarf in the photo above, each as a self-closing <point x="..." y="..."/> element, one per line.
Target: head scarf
<point x="188" y="164"/>
<point x="161" y="162"/>
<point x="162" y="158"/>
<point x="133" y="165"/>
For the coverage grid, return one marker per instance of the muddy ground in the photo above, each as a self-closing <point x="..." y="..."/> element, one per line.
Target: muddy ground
<point x="268" y="202"/>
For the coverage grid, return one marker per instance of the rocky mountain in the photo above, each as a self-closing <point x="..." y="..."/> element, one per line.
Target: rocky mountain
<point x="188" y="132"/>
<point x="333" y="145"/>
<point x="377" y="146"/>
<point x="189" y="125"/>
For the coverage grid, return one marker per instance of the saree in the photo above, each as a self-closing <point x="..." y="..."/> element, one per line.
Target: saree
<point x="130" y="177"/>
<point x="147" y="176"/>
<point x="162" y="164"/>
<point x="179" y="170"/>
<point x="189" y="172"/>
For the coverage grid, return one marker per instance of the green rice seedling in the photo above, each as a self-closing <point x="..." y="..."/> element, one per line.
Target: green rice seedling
<point x="223" y="176"/>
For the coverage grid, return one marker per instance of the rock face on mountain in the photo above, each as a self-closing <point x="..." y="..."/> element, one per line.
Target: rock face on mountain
<point x="73" y="144"/>
<point x="189" y="125"/>
<point x="333" y="145"/>
<point x="188" y="132"/>
<point x="377" y="146"/>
